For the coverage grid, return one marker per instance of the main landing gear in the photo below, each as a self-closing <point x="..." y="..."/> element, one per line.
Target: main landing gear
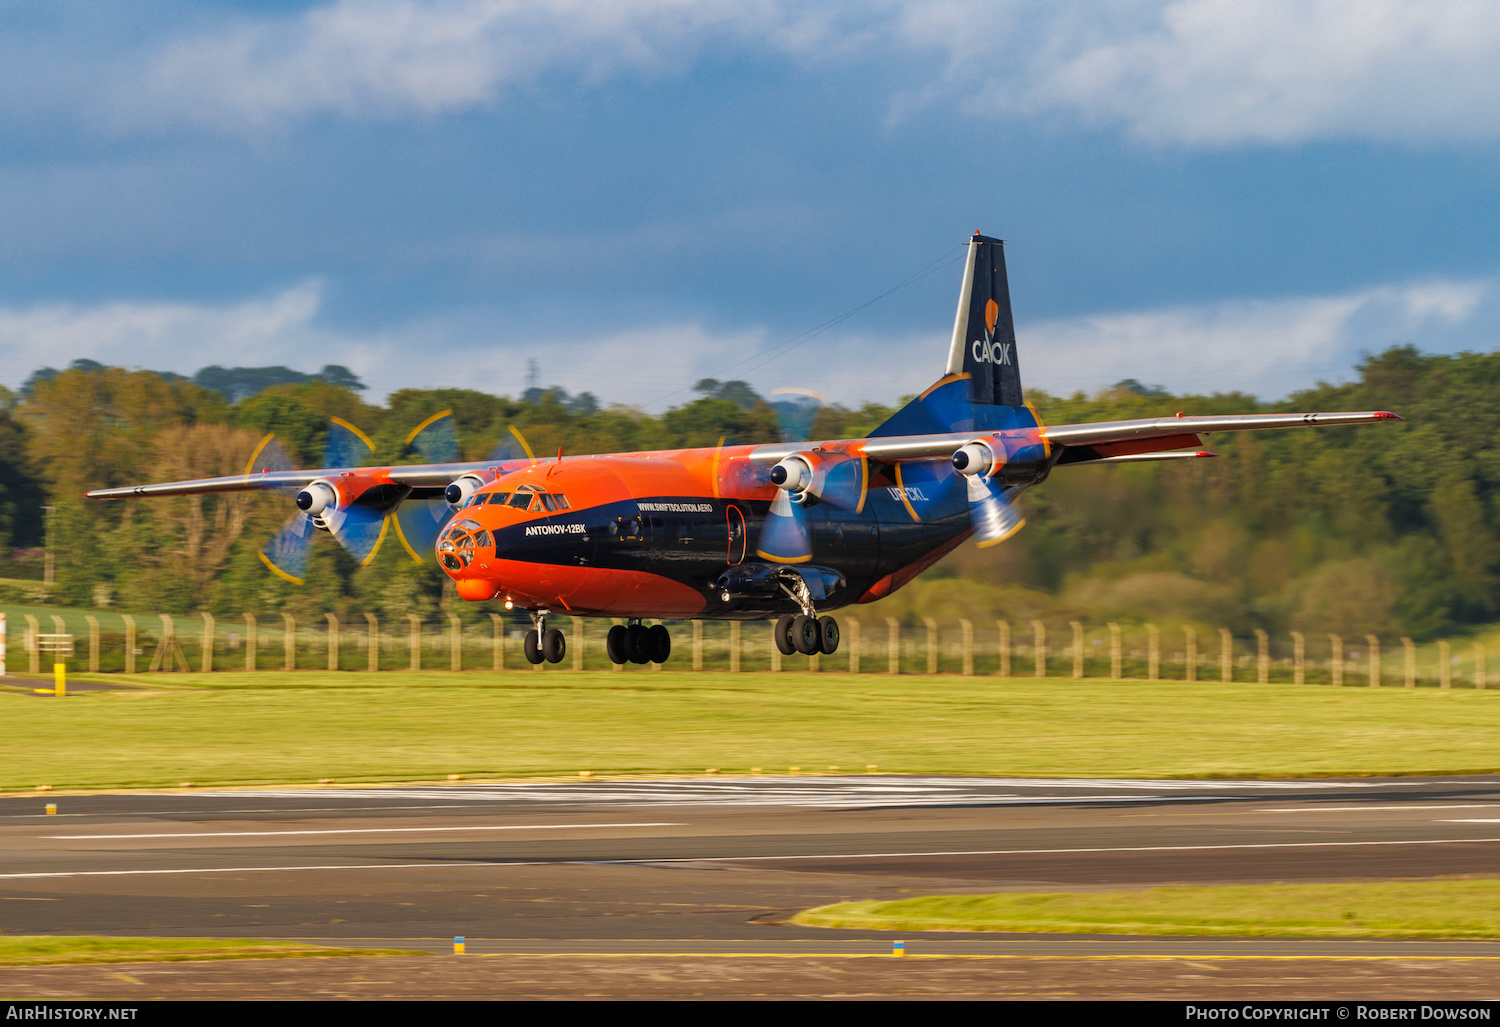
<point x="634" y="642"/>
<point x="542" y="642"/>
<point x="806" y="632"/>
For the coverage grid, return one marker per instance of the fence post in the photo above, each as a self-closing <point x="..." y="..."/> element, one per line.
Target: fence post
<point x="577" y="646"/>
<point x="1004" y="668"/>
<point x="250" y="641"/>
<point x="372" y="626"/>
<point x="455" y="643"/>
<point x="1374" y="645"/>
<point x="734" y="647"/>
<point x="1445" y="664"/>
<point x="1299" y="658"/>
<point x="932" y="645"/>
<point x="968" y="630"/>
<point x="1411" y="661"/>
<point x="853" y="632"/>
<point x="289" y="641"/>
<point x="1077" y="648"/>
<point x="1190" y="654"/>
<point x="1116" y="653"/>
<point x="129" y="642"/>
<point x="208" y="641"/>
<point x="697" y="645"/>
<point x="414" y="640"/>
<point x="1262" y="657"/>
<point x="497" y="641"/>
<point x="93" y="643"/>
<point x="333" y="641"/>
<point x="1039" y="636"/>
<point x="1478" y="664"/>
<point x="34" y="646"/>
<point x="1153" y="653"/>
<point x="775" y="651"/>
<point x="893" y="644"/>
<point x="1226" y="655"/>
<point x="1336" y="659"/>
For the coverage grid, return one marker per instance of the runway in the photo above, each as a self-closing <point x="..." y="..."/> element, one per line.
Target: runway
<point x="648" y="873"/>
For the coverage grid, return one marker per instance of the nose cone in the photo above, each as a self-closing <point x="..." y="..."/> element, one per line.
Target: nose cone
<point x="475" y="590"/>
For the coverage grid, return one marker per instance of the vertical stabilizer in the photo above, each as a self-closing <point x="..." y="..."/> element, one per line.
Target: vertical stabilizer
<point x="984" y="336"/>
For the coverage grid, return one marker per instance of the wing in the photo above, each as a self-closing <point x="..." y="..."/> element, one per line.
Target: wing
<point x="1154" y="438"/>
<point x="416" y="476"/>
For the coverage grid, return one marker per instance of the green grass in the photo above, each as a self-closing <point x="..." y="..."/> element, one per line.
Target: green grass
<point x="274" y="727"/>
<point x="33" y="950"/>
<point x="1468" y="908"/>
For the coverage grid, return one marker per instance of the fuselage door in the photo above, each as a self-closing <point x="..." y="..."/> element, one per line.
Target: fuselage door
<point x="734" y="519"/>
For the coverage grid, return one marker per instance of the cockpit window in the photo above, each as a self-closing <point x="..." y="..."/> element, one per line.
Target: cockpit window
<point x="521" y="500"/>
<point x="550" y="501"/>
<point x="480" y="500"/>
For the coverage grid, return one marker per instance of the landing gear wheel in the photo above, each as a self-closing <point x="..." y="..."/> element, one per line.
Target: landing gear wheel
<point x="636" y="643"/>
<point x="532" y="648"/>
<point x="659" y="643"/>
<point x="554" y="646"/>
<point x="784" y="635"/>
<point x="828" y="629"/>
<point x="616" y="644"/>
<point x="805" y="634"/>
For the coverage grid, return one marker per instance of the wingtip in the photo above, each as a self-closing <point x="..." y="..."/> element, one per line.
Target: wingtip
<point x="1386" y="415"/>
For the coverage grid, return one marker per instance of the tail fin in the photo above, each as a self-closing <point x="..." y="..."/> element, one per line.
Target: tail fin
<point x="981" y="386"/>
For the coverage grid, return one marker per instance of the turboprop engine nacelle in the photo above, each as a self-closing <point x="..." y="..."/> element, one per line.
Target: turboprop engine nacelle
<point x="318" y="497"/>
<point x="466" y="485"/>
<point x="799" y="477"/>
<point x="977" y="458"/>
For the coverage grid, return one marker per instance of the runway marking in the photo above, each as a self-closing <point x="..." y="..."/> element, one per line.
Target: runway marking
<point x="983" y="955"/>
<point x="342" y="830"/>
<point x="1475" y="821"/>
<point x="646" y="861"/>
<point x="1360" y="809"/>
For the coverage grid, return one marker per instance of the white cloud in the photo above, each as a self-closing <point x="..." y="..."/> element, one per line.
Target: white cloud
<point x="1265" y="347"/>
<point x="161" y="336"/>
<point x="1224" y="71"/>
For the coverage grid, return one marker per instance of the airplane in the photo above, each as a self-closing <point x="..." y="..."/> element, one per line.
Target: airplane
<point x="786" y="532"/>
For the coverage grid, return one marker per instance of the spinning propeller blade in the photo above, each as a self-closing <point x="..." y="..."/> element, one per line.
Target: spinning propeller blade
<point x="418" y="521"/>
<point x="992" y="511"/>
<point x="785" y="537"/>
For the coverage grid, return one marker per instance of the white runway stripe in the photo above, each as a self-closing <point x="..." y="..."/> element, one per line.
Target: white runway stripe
<point x="753" y="858"/>
<point x="346" y="830"/>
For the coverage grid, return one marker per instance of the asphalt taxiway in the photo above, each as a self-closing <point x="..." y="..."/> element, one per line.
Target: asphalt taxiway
<point x="703" y="872"/>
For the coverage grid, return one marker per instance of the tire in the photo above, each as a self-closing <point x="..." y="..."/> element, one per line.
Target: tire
<point x="636" y="643"/>
<point x="532" y="648"/>
<point x="805" y="634"/>
<point x="784" y="635"/>
<point x="616" y="645"/>
<point x="659" y="643"/>
<point x="828" y="631"/>
<point x="554" y="645"/>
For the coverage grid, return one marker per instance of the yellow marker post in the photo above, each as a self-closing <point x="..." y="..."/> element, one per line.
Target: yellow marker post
<point x="60" y="679"/>
<point x="458" y="946"/>
<point x="51" y="809"/>
<point x="898" y="948"/>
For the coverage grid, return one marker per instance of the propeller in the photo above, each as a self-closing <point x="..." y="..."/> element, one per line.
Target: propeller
<point x="992" y="509"/>
<point x="802" y="481"/>
<point x="361" y="526"/>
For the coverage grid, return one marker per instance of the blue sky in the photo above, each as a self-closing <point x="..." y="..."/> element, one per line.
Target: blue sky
<point x="640" y="193"/>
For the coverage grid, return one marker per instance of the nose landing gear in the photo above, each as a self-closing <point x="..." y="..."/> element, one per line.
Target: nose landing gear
<point x="542" y="642"/>
<point x="634" y="642"/>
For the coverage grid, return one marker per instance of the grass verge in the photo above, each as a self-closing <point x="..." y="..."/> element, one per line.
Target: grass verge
<point x="1461" y="908"/>
<point x="276" y="727"/>
<point x="36" y="950"/>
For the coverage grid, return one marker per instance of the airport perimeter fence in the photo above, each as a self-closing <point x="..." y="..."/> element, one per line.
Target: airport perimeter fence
<point x="122" y="643"/>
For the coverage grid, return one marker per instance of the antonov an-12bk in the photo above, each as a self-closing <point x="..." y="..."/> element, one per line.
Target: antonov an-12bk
<point x="788" y="531"/>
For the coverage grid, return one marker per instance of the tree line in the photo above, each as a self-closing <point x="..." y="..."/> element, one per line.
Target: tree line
<point x="1385" y="528"/>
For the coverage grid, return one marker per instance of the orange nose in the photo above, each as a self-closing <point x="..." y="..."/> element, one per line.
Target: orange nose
<point x="476" y="590"/>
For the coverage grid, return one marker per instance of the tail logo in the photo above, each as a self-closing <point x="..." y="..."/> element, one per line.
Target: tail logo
<point x="987" y="350"/>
